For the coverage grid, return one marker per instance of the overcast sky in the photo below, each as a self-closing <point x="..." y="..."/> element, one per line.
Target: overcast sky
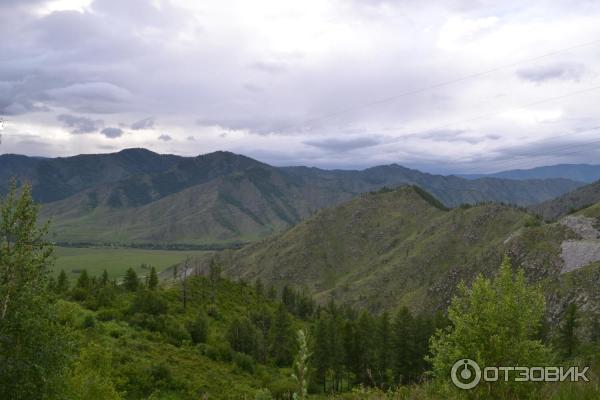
<point x="444" y="86"/>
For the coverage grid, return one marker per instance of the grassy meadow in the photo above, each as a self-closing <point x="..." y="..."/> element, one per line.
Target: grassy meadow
<point x="116" y="260"/>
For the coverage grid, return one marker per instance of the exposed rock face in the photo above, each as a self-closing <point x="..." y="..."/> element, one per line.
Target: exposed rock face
<point x="583" y="226"/>
<point x="579" y="253"/>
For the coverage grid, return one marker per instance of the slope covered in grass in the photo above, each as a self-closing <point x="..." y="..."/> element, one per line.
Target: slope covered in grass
<point x="382" y="250"/>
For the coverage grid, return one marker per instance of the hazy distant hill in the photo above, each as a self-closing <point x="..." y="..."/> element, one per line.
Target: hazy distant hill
<point x="569" y="202"/>
<point x="139" y="196"/>
<point x="576" y="172"/>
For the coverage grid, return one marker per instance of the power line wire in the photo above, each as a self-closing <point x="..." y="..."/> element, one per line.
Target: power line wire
<point x="434" y="86"/>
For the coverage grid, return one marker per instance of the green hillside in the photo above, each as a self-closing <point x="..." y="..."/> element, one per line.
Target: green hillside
<point x="393" y="248"/>
<point x="382" y="250"/>
<point x="582" y="197"/>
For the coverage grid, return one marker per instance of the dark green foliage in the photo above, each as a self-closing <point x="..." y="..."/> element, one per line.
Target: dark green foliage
<point x="83" y="282"/>
<point x="62" y="283"/>
<point x="403" y="345"/>
<point x="104" y="280"/>
<point x="567" y="336"/>
<point x="198" y="328"/>
<point x="428" y="197"/>
<point x="131" y="281"/>
<point x="148" y="302"/>
<point x="89" y="322"/>
<point x="34" y="348"/>
<point x="242" y="336"/>
<point x="282" y="338"/>
<point x="152" y="279"/>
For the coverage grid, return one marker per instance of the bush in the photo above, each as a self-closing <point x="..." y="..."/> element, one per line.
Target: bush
<point x="198" y="329"/>
<point x="107" y="315"/>
<point x="89" y="322"/>
<point x="283" y="388"/>
<point x="263" y="394"/>
<point x="174" y="331"/>
<point x="244" y="362"/>
<point x="148" y="302"/>
<point x="213" y="312"/>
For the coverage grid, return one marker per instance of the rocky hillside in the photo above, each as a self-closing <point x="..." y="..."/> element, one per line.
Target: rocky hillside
<point x="394" y="248"/>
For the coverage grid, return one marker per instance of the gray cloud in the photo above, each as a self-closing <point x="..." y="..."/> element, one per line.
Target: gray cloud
<point x="343" y="145"/>
<point x="165" y="138"/>
<point x="112" y="133"/>
<point x="145" y="123"/>
<point x="80" y="125"/>
<point x="560" y="71"/>
<point x="317" y="79"/>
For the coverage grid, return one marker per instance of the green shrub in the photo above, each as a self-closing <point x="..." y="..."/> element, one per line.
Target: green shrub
<point x="244" y="362"/>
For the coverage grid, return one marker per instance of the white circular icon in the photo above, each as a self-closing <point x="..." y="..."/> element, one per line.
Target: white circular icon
<point x="465" y="374"/>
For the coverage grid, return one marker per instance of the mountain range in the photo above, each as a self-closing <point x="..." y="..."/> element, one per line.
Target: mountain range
<point x="137" y="196"/>
<point x="576" y="172"/>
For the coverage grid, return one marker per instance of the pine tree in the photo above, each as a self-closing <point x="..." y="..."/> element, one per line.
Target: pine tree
<point x="62" y="283"/>
<point x="242" y="336"/>
<point x="567" y="338"/>
<point x="288" y="298"/>
<point x="382" y="347"/>
<point x="402" y="345"/>
<point x="152" y="279"/>
<point x="214" y="276"/>
<point x="321" y="352"/>
<point x="131" y="281"/>
<point x="104" y="280"/>
<point x="83" y="282"/>
<point x="364" y="348"/>
<point x="198" y="328"/>
<point x="282" y="343"/>
<point x="272" y="294"/>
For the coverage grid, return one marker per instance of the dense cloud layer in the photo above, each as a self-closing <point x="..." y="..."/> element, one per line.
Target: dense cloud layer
<point x="448" y="86"/>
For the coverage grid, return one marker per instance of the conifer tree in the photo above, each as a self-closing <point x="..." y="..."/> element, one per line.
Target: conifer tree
<point x="567" y="338"/>
<point x="152" y="279"/>
<point x="104" y="280"/>
<point x="198" y="328"/>
<point x="62" y="283"/>
<point x="83" y="282"/>
<point x="131" y="281"/>
<point x="402" y="346"/>
<point x="282" y="343"/>
<point x="382" y="348"/>
<point x="321" y="352"/>
<point x="242" y="335"/>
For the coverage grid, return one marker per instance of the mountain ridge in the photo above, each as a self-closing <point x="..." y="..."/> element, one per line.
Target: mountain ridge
<point x="117" y="197"/>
